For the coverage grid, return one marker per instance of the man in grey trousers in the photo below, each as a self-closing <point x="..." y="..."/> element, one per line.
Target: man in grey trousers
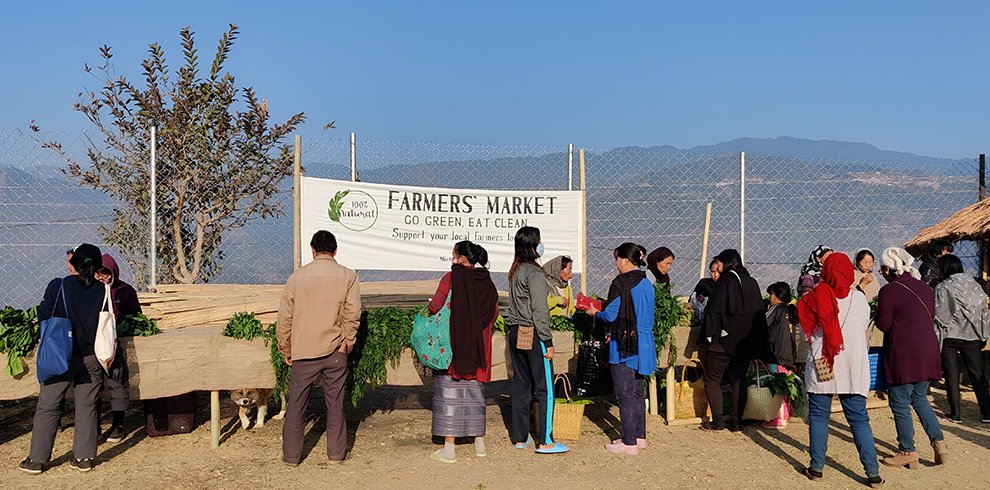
<point x="318" y="318"/>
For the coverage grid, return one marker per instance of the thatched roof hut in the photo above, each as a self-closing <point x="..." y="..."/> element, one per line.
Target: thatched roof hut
<point x="970" y="223"/>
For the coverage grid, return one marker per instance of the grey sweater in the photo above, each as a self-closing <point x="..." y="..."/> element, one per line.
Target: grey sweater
<point x="961" y="309"/>
<point x="528" y="301"/>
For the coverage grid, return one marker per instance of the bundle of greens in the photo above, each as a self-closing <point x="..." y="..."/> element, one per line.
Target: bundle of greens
<point x="137" y="325"/>
<point x="18" y="335"/>
<point x="669" y="312"/>
<point x="281" y="369"/>
<point x="244" y="326"/>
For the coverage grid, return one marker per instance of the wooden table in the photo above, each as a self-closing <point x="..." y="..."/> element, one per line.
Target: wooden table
<point x="175" y="362"/>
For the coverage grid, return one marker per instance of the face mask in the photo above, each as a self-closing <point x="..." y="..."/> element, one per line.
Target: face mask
<point x="539" y="250"/>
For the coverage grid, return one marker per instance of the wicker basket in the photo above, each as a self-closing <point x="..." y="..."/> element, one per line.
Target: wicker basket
<point x="567" y="416"/>
<point x="690" y="399"/>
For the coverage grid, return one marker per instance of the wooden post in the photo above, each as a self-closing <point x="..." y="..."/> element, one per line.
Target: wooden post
<point x="984" y="244"/>
<point x="296" y="206"/>
<point x="669" y="392"/>
<point x="584" y="224"/>
<point x="704" y="243"/>
<point x="214" y="419"/>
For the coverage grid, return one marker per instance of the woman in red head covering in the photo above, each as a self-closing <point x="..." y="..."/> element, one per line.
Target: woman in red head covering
<point x="835" y="317"/>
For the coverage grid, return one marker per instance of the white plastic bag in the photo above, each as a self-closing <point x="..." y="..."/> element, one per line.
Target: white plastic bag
<point x="106" y="334"/>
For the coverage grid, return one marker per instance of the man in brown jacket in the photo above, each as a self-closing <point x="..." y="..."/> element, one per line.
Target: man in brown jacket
<point x="318" y="319"/>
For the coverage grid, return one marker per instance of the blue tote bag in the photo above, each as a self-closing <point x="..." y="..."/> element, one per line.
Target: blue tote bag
<point x="55" y="347"/>
<point x="431" y="338"/>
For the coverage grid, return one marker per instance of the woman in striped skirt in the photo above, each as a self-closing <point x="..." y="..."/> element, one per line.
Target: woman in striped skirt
<point x="459" y="391"/>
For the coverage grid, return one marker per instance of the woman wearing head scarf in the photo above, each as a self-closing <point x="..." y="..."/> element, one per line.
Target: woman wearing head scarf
<point x="906" y="316"/>
<point x="962" y="322"/>
<point x="632" y="353"/>
<point x="834" y="317"/>
<point x="561" y="297"/>
<point x="735" y="330"/>
<point x="811" y="272"/>
<point x="659" y="262"/>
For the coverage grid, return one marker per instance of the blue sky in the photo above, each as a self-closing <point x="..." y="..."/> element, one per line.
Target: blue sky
<point x="903" y="75"/>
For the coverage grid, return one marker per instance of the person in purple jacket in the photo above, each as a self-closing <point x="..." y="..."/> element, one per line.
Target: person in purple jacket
<point x="125" y="303"/>
<point x="905" y="315"/>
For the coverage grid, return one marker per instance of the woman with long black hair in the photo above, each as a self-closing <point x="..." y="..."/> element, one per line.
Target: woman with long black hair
<point x="530" y="345"/>
<point x="459" y="391"/>
<point x="79" y="297"/>
<point x="632" y="354"/>
<point x="735" y="328"/>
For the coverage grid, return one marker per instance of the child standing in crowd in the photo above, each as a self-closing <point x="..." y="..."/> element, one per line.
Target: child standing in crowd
<point x="459" y="391"/>
<point x="530" y="345"/>
<point x="632" y="354"/>
<point x="781" y="345"/>
<point x="125" y="303"/>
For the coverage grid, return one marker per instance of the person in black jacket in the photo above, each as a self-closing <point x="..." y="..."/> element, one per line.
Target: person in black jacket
<point x="78" y="296"/>
<point x="735" y="328"/>
<point x="931" y="273"/>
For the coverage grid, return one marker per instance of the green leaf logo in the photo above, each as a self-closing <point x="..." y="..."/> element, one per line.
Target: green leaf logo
<point x="333" y="208"/>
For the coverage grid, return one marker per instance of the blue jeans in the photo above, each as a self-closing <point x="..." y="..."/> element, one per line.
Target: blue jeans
<point x="632" y="410"/>
<point x="902" y="398"/>
<point x="854" y="407"/>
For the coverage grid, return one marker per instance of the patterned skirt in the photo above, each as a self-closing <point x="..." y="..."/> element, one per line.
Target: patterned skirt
<point x="458" y="407"/>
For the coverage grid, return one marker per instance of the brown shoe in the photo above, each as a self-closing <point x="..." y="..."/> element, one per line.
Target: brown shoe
<point x="941" y="452"/>
<point x="901" y="459"/>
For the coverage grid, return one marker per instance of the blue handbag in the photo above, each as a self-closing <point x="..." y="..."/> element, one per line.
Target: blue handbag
<point x="55" y="347"/>
<point x="431" y="338"/>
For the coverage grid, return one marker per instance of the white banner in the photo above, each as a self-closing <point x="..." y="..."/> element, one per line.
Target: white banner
<point x="394" y="227"/>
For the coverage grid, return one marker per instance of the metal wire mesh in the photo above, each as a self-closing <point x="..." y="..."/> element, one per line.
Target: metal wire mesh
<point x="649" y="196"/>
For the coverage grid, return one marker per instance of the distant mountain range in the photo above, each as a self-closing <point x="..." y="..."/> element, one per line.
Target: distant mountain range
<point x="800" y="193"/>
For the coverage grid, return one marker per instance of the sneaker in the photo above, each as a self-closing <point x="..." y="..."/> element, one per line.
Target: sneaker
<point x="813" y="475"/>
<point x="116" y="434"/>
<point x="31" y="467"/>
<point x="953" y="418"/>
<point x="874" y="481"/>
<point x="83" y="465"/>
<point x="985" y="420"/>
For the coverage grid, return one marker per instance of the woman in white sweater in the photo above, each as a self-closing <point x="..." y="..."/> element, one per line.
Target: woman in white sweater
<point x="835" y="317"/>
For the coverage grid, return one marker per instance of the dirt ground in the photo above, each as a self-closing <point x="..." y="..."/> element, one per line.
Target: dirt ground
<point x="389" y="434"/>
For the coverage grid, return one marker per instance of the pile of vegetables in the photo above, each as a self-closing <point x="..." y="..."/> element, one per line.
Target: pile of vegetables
<point x="246" y="326"/>
<point x="19" y="334"/>
<point x="137" y="325"/>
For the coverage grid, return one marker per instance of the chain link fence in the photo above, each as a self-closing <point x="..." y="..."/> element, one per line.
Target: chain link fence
<point x="650" y="196"/>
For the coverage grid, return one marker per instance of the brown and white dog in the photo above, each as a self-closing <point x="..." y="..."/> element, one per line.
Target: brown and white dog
<point x="246" y="398"/>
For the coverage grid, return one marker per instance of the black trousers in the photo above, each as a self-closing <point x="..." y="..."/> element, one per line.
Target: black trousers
<point x="969" y="351"/>
<point x="719" y="364"/>
<point x="532" y="380"/>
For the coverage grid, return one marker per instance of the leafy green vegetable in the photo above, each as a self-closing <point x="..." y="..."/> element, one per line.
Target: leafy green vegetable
<point x="573" y="401"/>
<point x="499" y="325"/>
<point x="382" y="337"/>
<point x="281" y="369"/>
<point x="561" y="324"/>
<point x="243" y="325"/>
<point x="668" y="313"/>
<point x="137" y="325"/>
<point x="335" y="204"/>
<point x="19" y="334"/>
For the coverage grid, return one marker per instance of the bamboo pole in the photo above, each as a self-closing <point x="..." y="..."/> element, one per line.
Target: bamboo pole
<point x="584" y="223"/>
<point x="296" y="206"/>
<point x="704" y="243"/>
<point x="214" y="419"/>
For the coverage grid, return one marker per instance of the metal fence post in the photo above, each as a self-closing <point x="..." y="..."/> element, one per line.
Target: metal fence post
<point x="985" y="244"/>
<point x="353" y="157"/>
<point x="742" y="206"/>
<point x="153" y="256"/>
<point x="570" y="167"/>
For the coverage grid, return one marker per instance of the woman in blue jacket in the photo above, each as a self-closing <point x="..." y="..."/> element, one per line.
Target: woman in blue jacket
<point x="631" y="351"/>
